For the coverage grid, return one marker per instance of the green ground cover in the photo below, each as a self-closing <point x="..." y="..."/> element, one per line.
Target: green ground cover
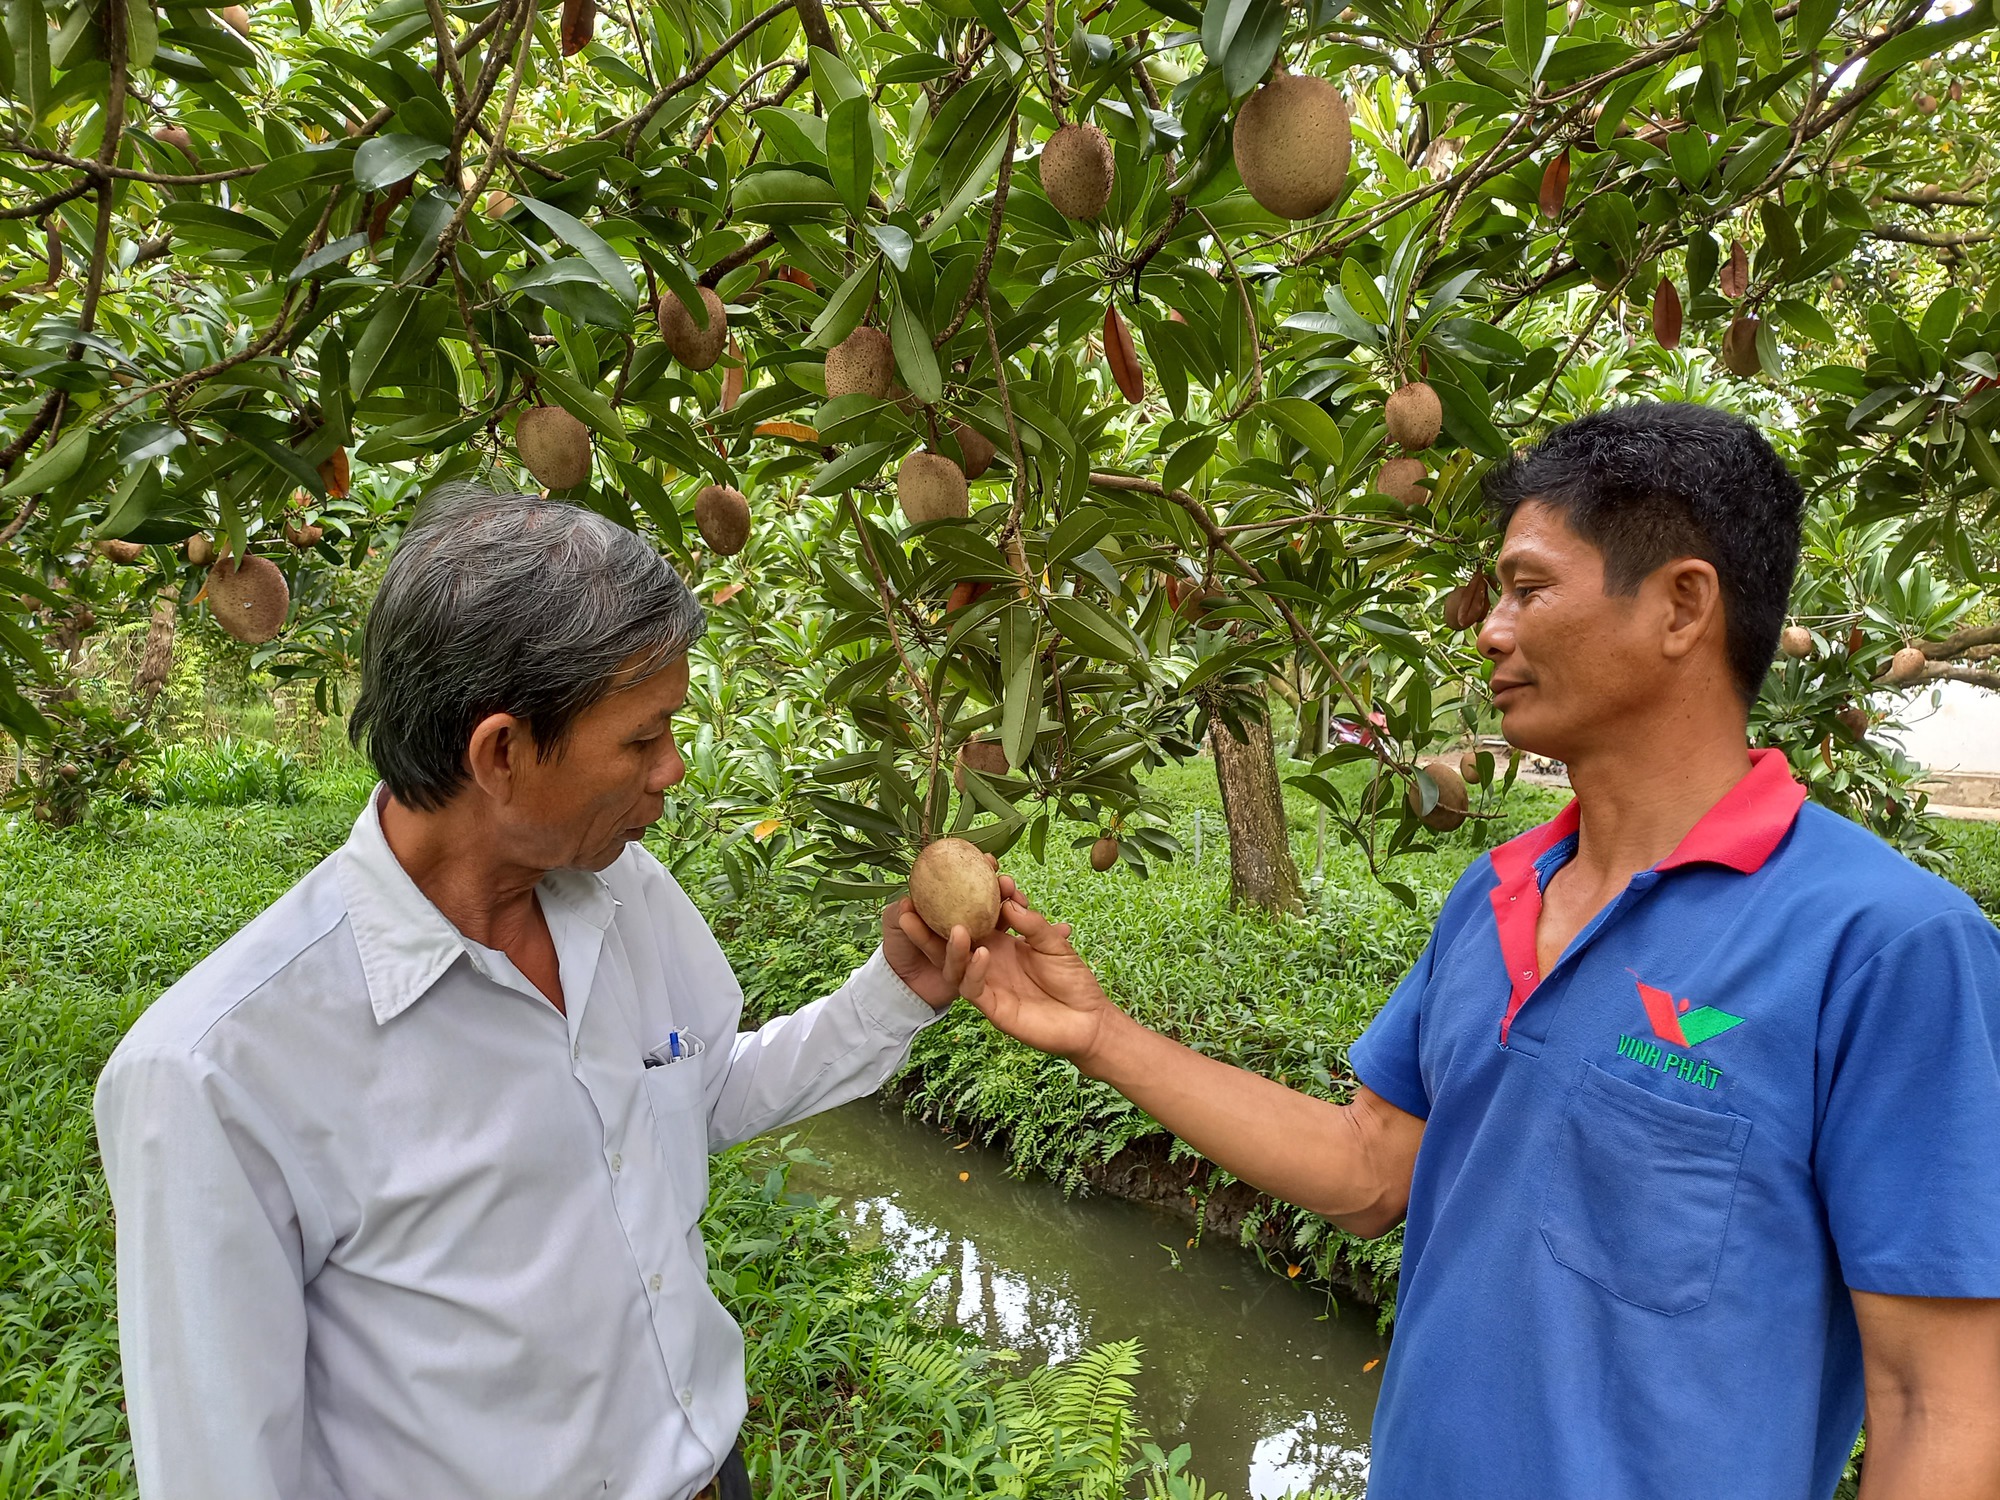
<point x="95" y="923"/>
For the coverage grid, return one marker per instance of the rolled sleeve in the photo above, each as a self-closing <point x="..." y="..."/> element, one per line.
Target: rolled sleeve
<point x="1907" y="1159"/>
<point x="1386" y="1058"/>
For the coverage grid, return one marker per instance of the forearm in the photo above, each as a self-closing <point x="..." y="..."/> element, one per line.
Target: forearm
<point x="838" y="1048"/>
<point x="1307" y="1151"/>
<point x="1925" y="1451"/>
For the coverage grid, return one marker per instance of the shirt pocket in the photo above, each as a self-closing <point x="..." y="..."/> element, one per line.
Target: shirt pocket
<point x="680" y="1121"/>
<point x="1640" y="1192"/>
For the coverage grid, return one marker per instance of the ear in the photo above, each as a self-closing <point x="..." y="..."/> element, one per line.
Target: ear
<point x="1691" y="595"/>
<point x="499" y="752"/>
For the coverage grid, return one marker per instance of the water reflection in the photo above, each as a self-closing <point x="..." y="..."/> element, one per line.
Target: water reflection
<point x="1268" y="1381"/>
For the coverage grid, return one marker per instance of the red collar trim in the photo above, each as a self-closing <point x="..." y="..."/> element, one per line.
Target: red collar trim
<point x="1745" y="828"/>
<point x="1741" y="831"/>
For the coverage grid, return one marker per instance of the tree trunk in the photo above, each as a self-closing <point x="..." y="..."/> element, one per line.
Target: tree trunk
<point x="1262" y="871"/>
<point x="156" y="662"/>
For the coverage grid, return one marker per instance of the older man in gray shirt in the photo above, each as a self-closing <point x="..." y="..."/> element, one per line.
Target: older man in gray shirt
<point x="407" y="1172"/>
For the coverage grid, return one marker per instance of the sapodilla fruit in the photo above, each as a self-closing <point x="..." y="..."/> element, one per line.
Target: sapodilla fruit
<point x="1854" y="721"/>
<point x="249" y="598"/>
<point x="1453" y="802"/>
<point x="1414" y="416"/>
<point x="696" y="348"/>
<point x="1104" y="854"/>
<point x="722" y="516"/>
<point x="1739" y="347"/>
<point x="930" y="487"/>
<point x="177" y="137"/>
<point x="200" y="550"/>
<point x="1468" y="768"/>
<point x="554" y="445"/>
<point x="1796" y="642"/>
<point x="975" y="449"/>
<point x="1907" y="665"/>
<point x="862" y="364"/>
<point x="1403" y="479"/>
<point x="121" y="552"/>
<point x="952" y="885"/>
<point x="237" y="19"/>
<point x="963" y="593"/>
<point x="1076" y="171"/>
<point x="1292" y="145"/>
<point x="984" y="756"/>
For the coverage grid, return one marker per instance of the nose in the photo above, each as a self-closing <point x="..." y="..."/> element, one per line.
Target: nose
<point x="668" y="770"/>
<point x="1496" y="635"/>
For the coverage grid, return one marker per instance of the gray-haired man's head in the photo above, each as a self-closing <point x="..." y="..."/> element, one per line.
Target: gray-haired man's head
<point x="506" y="604"/>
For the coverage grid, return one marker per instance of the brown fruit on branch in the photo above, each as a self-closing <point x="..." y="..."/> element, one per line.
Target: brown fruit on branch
<point x="1466" y="606"/>
<point x="1292" y="145"/>
<point x="1403" y="479"/>
<point x="953" y="885"/>
<point x="1854" y="721"/>
<point x="335" y="474"/>
<point x="1453" y="802"/>
<point x="1076" y="171"/>
<point x="984" y="756"/>
<point x="1122" y="357"/>
<point x="200" y="550"/>
<point x="554" y="445"/>
<point x="579" y="21"/>
<point x="1735" y="277"/>
<point x="930" y="487"/>
<point x="975" y="449"/>
<point x="1739" y="347"/>
<point x="1796" y="642"/>
<point x="249" y="598"/>
<point x="237" y="19"/>
<point x="1667" y="315"/>
<point x="1468" y="768"/>
<point x="1104" y="854"/>
<point x="722" y="516"/>
<point x="177" y="137"/>
<point x="1555" y="185"/>
<point x="862" y="364"/>
<point x="695" y="347"/>
<point x="1907" y="665"/>
<point x="1926" y="104"/>
<point x="304" y="536"/>
<point x="121" y="552"/>
<point x="1414" y="416"/>
<point x="963" y="593"/>
<point x="1956" y="92"/>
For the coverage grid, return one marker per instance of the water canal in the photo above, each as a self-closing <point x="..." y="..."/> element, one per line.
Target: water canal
<point x="1271" y="1382"/>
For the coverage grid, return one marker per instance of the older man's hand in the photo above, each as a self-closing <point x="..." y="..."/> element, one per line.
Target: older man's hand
<point x="935" y="975"/>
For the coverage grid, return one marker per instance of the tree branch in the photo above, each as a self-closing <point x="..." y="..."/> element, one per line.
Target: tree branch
<point x="1944" y="241"/>
<point x="99" y="169"/>
<point x="741" y="256"/>
<point x="1960" y="642"/>
<point x="54" y="200"/>
<point x="633" y="128"/>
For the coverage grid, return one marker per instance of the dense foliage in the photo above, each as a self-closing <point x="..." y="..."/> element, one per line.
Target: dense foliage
<point x="275" y="270"/>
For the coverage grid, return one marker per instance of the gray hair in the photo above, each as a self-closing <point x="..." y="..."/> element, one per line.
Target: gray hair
<point x="506" y="604"/>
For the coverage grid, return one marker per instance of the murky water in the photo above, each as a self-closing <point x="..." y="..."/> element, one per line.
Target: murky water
<point x="1272" y="1384"/>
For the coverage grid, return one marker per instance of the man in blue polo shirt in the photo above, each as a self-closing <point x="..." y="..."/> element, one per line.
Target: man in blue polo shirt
<point x="1691" y="1107"/>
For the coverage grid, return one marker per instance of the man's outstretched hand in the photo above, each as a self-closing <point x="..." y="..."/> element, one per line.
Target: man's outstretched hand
<point x="1028" y="981"/>
<point x="933" y="969"/>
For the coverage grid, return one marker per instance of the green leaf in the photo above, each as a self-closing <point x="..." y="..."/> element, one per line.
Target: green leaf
<point x="847" y="306"/>
<point x="328" y="255"/>
<point x="393" y="313"/>
<point x="833" y="80"/>
<point x="1525" y="24"/>
<point x="1806" y="321"/>
<point x="52" y="465"/>
<point x="1310" y="424"/>
<point x="784" y="196"/>
<point x="583" y="403"/>
<point x="1097" y="632"/>
<point x="855" y="466"/>
<point x="1021" y="716"/>
<point x="911" y="340"/>
<point x="384" y="160"/>
<point x="1241" y="38"/>
<point x="850" y="152"/>
<point x="1927" y="41"/>
<point x="579" y="236"/>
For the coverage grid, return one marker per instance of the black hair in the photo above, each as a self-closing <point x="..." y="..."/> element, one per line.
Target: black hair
<point x="1647" y="483"/>
<point x="506" y="604"/>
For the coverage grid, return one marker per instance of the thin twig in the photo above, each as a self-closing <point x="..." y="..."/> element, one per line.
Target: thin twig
<point x="633" y="128"/>
<point x="98" y="169"/>
<point x="980" y="273"/>
<point x="1015" y="450"/>
<point x="1250" y="320"/>
<point x="54" y="200"/>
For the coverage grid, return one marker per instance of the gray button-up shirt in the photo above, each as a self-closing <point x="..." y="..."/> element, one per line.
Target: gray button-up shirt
<point x="389" y="1225"/>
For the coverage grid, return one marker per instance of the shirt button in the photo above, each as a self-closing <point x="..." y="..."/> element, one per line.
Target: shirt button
<point x="576" y="1052"/>
<point x="687" y="1395"/>
<point x="655" y="1282"/>
<point x="617" y="1162"/>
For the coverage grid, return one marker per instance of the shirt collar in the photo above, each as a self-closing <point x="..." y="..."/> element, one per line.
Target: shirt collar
<point x="406" y="944"/>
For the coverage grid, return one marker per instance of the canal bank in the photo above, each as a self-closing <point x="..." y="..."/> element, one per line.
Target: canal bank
<point x="1271" y="1380"/>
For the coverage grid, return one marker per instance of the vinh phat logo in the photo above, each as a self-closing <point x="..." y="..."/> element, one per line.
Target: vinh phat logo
<point x="1679" y="1023"/>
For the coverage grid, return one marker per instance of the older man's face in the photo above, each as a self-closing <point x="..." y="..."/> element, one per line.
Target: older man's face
<point x="608" y="785"/>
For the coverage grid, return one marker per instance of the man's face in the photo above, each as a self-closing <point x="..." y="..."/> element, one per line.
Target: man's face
<point x="1570" y="663"/>
<point x="579" y="809"/>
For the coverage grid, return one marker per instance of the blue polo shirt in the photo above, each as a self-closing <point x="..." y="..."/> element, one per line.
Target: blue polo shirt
<point x="1765" y="1073"/>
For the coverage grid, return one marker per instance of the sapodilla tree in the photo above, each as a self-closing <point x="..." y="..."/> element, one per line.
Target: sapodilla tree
<point x="433" y="227"/>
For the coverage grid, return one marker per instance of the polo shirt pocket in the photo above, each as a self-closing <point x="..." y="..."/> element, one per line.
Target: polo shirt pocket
<point x="681" y="1121"/>
<point x="1640" y="1192"/>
